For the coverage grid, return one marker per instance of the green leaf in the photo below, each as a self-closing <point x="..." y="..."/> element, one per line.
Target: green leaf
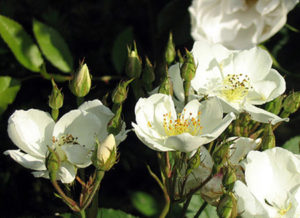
<point x="119" y="51"/>
<point x="21" y="44"/>
<point x="144" y="203"/>
<point x="9" y="88"/>
<point x="293" y="145"/>
<point x="109" y="213"/>
<point x="53" y="46"/>
<point x="195" y="204"/>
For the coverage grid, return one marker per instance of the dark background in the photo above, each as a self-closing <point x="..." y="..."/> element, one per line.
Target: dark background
<point x="91" y="28"/>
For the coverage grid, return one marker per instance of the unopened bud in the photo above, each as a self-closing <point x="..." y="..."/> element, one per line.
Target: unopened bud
<point x="220" y="156"/>
<point x="120" y="93"/>
<point x="275" y="105"/>
<point x="106" y="154"/>
<point x="166" y="86"/>
<point x="80" y="85"/>
<point x="133" y="67"/>
<point x="180" y="58"/>
<point x="188" y="68"/>
<point x="148" y="76"/>
<point x="292" y="102"/>
<point x="170" y="52"/>
<point x="227" y="207"/>
<point x="114" y="126"/>
<point x="268" y="139"/>
<point x="229" y="178"/>
<point x="56" y="98"/>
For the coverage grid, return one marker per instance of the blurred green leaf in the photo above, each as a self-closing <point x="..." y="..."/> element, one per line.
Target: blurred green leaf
<point x="196" y="202"/>
<point x="21" y="44"/>
<point x="53" y="46"/>
<point x="144" y="203"/>
<point x="119" y="51"/>
<point x="109" y="213"/>
<point x="293" y="145"/>
<point x="9" y="88"/>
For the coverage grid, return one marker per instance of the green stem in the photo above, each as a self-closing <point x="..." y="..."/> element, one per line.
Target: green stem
<point x="200" y="210"/>
<point x="93" y="210"/>
<point x="56" y="77"/>
<point x="82" y="213"/>
<point x="96" y="185"/>
<point x="55" y="113"/>
<point x="163" y="188"/>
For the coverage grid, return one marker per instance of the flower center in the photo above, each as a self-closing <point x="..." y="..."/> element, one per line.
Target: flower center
<point x="182" y="124"/>
<point x="65" y="139"/>
<point x="283" y="211"/>
<point x="62" y="140"/>
<point x="235" y="87"/>
<point x="280" y="210"/>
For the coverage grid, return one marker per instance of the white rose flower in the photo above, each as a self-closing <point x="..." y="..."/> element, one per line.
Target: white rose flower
<point x="240" y="79"/>
<point x="211" y="192"/>
<point x="238" y="24"/>
<point x="73" y="137"/>
<point x="272" y="186"/>
<point x="162" y="129"/>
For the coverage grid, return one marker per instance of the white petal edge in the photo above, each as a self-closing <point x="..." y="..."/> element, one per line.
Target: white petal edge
<point x="31" y="131"/>
<point x="26" y="160"/>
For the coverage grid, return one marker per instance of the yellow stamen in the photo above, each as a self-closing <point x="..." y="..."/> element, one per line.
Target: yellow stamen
<point x="283" y="211"/>
<point x="235" y="87"/>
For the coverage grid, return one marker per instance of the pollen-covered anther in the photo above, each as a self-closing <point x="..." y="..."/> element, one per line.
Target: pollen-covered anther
<point x="181" y="124"/>
<point x="236" y="87"/>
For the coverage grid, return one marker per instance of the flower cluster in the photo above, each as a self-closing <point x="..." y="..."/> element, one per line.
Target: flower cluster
<point x="210" y="120"/>
<point x="72" y="137"/>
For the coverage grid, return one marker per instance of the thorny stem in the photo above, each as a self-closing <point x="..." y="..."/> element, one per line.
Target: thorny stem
<point x="96" y="185"/>
<point x="70" y="202"/>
